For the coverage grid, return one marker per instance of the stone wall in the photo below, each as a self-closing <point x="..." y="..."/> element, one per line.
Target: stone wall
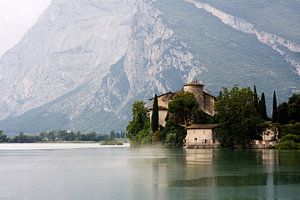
<point x="199" y="137"/>
<point x="209" y="104"/>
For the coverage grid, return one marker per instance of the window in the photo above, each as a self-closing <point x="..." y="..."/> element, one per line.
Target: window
<point x="195" y="139"/>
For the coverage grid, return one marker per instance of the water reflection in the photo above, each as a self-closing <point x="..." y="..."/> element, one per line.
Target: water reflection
<point x="270" y="161"/>
<point x="199" y="156"/>
<point x="259" y="170"/>
<point x="150" y="174"/>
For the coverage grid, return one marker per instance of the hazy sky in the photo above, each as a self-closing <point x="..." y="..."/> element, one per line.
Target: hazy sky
<point x="16" y="17"/>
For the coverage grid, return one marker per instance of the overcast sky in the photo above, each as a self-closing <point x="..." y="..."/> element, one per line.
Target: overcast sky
<point x="16" y="17"/>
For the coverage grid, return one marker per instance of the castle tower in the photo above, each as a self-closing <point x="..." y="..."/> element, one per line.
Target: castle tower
<point x="197" y="90"/>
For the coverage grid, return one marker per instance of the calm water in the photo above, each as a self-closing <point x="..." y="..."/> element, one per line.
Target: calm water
<point x="123" y="173"/>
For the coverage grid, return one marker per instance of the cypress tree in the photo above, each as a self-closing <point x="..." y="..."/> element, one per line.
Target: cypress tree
<point x="256" y="100"/>
<point x="275" y="111"/>
<point x="154" y="117"/>
<point x="262" y="107"/>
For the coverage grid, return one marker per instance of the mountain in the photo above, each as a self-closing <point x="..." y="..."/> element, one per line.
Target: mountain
<point x="86" y="61"/>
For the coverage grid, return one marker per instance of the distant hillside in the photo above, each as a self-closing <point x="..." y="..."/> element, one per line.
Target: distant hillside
<point x="85" y="62"/>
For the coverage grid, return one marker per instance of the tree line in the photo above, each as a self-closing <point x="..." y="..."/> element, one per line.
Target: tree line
<point x="60" y="136"/>
<point x="287" y="115"/>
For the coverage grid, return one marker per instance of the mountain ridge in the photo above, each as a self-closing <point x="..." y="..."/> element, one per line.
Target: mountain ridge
<point x="140" y="43"/>
<point x="85" y="62"/>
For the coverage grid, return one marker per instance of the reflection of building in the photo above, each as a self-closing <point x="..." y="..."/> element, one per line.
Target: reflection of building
<point x="201" y="136"/>
<point x="269" y="157"/>
<point x="199" y="156"/>
<point x="205" y="100"/>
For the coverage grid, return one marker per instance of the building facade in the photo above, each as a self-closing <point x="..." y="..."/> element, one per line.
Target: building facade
<point x="201" y="136"/>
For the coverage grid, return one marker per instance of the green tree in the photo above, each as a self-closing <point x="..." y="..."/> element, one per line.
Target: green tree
<point x="294" y="108"/>
<point x="112" y="135"/>
<point x="237" y="116"/>
<point x="275" y="112"/>
<point x="283" y="113"/>
<point x="200" y="117"/>
<point x="262" y="107"/>
<point x="255" y="99"/>
<point x="139" y="119"/>
<point x="182" y="107"/>
<point x="173" y="135"/>
<point x="3" y="137"/>
<point x="155" y="115"/>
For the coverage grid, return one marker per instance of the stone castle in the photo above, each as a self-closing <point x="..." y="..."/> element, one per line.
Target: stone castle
<point x="205" y="100"/>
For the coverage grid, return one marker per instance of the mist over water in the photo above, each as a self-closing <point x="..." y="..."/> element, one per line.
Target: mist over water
<point x="124" y="173"/>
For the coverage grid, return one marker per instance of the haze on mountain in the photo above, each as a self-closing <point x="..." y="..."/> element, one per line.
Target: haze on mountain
<point x="84" y="62"/>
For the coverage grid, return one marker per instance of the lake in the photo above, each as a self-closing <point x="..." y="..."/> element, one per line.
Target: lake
<point x="124" y="173"/>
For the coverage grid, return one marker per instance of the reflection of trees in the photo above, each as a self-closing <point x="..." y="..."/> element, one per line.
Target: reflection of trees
<point x="265" y="172"/>
<point x="236" y="162"/>
<point x="212" y="174"/>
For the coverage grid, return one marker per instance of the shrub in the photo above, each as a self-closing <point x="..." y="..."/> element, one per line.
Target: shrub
<point x="288" y="144"/>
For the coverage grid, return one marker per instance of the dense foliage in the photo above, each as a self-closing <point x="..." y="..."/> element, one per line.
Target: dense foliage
<point x="138" y="129"/>
<point x="200" y="117"/>
<point x="294" y="108"/>
<point x="289" y="120"/>
<point x="3" y="137"/>
<point x="58" y="136"/>
<point x="289" y="136"/>
<point x="173" y="135"/>
<point x="283" y="113"/>
<point x="237" y="116"/>
<point x="289" y="112"/>
<point x="182" y="108"/>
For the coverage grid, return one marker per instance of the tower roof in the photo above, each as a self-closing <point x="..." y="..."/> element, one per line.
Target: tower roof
<point x="193" y="83"/>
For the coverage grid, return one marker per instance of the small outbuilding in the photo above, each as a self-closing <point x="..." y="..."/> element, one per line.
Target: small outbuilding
<point x="201" y="136"/>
